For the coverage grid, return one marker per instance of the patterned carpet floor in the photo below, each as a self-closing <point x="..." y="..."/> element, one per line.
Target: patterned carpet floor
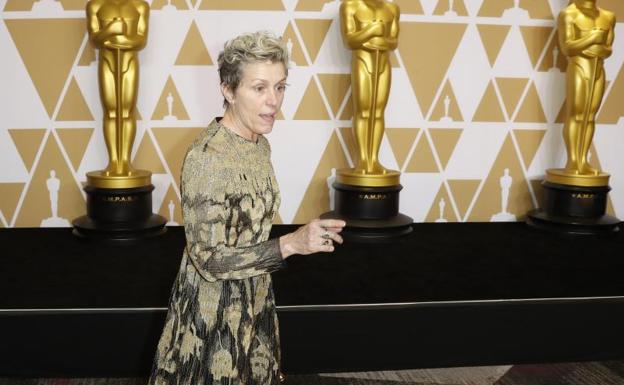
<point x="586" y="373"/>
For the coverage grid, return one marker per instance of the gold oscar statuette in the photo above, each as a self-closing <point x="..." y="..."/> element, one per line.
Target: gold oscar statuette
<point x="586" y="35"/>
<point x="118" y="28"/>
<point x="576" y="196"/>
<point x="370" y="29"/>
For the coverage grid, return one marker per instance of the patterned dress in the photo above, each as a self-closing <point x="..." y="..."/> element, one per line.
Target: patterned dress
<point x="221" y="327"/>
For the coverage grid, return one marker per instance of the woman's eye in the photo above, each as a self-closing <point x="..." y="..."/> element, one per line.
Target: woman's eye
<point x="259" y="89"/>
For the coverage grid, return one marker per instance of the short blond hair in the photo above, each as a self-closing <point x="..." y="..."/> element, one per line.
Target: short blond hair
<point x="254" y="47"/>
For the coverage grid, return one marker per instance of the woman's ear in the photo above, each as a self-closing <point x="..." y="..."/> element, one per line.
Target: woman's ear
<point x="227" y="93"/>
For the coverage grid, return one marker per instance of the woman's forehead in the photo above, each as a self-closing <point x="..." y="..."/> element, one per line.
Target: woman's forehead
<point x="268" y="71"/>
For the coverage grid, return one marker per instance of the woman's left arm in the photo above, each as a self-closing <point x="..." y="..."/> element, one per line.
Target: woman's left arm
<point x="213" y="221"/>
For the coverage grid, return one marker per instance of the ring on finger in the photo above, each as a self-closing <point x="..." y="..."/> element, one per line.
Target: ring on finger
<point x="325" y="235"/>
<point x="326" y="242"/>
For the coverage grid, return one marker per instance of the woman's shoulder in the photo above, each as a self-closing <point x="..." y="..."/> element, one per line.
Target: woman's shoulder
<point x="208" y="142"/>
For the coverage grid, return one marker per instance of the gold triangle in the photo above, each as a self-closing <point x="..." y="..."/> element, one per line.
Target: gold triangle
<point x="160" y="4"/>
<point x="489" y="109"/>
<point x="394" y="62"/>
<point x="193" y="51"/>
<point x="494" y="8"/>
<point x="347" y="111"/>
<point x="535" y="40"/>
<point x="511" y="90"/>
<point x="146" y="157"/>
<point x="493" y="37"/>
<point x="561" y="117"/>
<point x="316" y="198"/>
<point x="162" y="108"/>
<point x="529" y="142"/>
<point x="335" y="87"/>
<point x="409" y="7"/>
<point x="27" y="142"/>
<point x="171" y="199"/>
<point x="489" y="202"/>
<point x="173" y="143"/>
<point x="74" y="5"/>
<point x="615" y="6"/>
<point x="75" y="141"/>
<point x="463" y="191"/>
<point x="74" y="106"/>
<point x="439" y="111"/>
<point x="194" y="3"/>
<point x="310" y="5"/>
<point x="312" y="106"/>
<point x="444" y="141"/>
<point x="422" y="159"/>
<point x="458" y="7"/>
<point x="243" y="5"/>
<point x="538" y="9"/>
<point x="37" y="206"/>
<point x="48" y="62"/>
<point x="401" y="140"/>
<point x="280" y="115"/>
<point x="10" y="193"/>
<point x="548" y="61"/>
<point x="349" y="140"/>
<point x="297" y="56"/>
<point x="448" y="214"/>
<point x="313" y="33"/>
<point x="425" y="74"/>
<point x="18" y="5"/>
<point x="611" y="110"/>
<point x="88" y="55"/>
<point x="531" y="110"/>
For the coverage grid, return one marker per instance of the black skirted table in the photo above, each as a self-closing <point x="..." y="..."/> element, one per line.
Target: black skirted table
<point x="445" y="295"/>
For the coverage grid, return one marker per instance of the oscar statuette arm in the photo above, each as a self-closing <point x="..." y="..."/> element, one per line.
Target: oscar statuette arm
<point x="567" y="42"/>
<point x="135" y="41"/>
<point x="97" y="33"/>
<point x="214" y="220"/>
<point x="355" y="39"/>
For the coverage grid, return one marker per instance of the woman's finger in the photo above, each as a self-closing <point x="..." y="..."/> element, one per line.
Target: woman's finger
<point x="327" y="223"/>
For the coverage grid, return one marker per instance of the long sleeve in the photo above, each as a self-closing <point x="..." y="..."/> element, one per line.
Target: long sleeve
<point x="228" y="214"/>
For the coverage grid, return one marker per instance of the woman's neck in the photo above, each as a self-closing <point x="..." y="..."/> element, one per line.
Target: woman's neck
<point x="233" y="123"/>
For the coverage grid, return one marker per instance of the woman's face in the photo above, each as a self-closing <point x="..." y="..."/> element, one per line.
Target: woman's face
<point x="258" y="98"/>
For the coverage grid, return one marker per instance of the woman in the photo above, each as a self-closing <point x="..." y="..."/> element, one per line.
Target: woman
<point x="222" y="327"/>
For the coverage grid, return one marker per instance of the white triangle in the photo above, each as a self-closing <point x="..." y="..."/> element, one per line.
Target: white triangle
<point x="513" y="60"/>
<point x="87" y="79"/>
<point x="18" y="92"/>
<point x="402" y="109"/>
<point x="613" y="64"/>
<point x="9" y="156"/>
<point x="425" y="186"/>
<point x="217" y="28"/>
<point x="195" y="98"/>
<point x="551" y="88"/>
<point x="428" y="6"/>
<point x="470" y="73"/>
<point x="608" y="140"/>
<point x="161" y="184"/>
<point x="294" y="168"/>
<point x="167" y="33"/>
<point x="550" y="154"/>
<point x="290" y="5"/>
<point x="476" y="151"/>
<point x="333" y="54"/>
<point x="298" y="80"/>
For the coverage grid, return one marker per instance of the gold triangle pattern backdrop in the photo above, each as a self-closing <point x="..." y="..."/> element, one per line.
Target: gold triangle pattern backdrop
<point x="477" y="94"/>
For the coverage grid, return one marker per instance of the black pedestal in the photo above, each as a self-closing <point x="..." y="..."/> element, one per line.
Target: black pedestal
<point x="119" y="214"/>
<point x="371" y="213"/>
<point x="574" y="210"/>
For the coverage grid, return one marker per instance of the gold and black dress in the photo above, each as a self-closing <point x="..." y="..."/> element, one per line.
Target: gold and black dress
<point x="221" y="327"/>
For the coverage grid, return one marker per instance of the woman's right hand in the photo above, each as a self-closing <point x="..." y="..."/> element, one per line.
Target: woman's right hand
<point x="316" y="236"/>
